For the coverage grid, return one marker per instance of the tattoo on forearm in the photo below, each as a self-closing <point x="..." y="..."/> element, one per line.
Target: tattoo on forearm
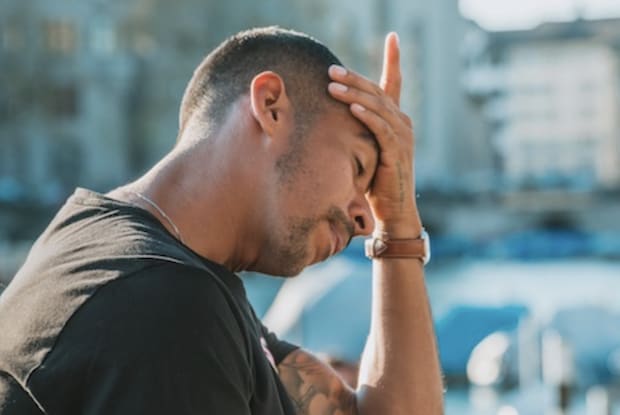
<point x="401" y="184"/>
<point x="314" y="386"/>
<point x="303" y="401"/>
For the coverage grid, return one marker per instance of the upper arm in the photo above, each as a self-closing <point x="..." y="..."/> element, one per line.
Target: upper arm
<point x="144" y="345"/>
<point x="314" y="387"/>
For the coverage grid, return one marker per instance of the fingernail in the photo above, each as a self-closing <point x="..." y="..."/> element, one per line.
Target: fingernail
<point x="397" y="39"/>
<point x="336" y="87"/>
<point x="337" y="70"/>
<point x="357" y="107"/>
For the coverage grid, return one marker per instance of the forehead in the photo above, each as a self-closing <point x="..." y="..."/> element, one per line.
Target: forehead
<point x="337" y="123"/>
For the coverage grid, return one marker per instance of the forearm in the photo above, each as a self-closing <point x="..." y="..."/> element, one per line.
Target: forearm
<point x="400" y="371"/>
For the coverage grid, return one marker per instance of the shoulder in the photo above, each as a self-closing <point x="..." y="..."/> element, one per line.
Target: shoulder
<point x="177" y="296"/>
<point x="166" y="315"/>
<point x="164" y="337"/>
<point x="170" y="306"/>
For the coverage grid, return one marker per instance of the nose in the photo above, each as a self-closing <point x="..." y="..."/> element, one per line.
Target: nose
<point x="362" y="217"/>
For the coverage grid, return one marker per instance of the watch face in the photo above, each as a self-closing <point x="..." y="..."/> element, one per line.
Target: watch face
<point x="427" y="246"/>
<point x="374" y="247"/>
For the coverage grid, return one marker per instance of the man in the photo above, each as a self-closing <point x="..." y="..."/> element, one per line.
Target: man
<point x="128" y="303"/>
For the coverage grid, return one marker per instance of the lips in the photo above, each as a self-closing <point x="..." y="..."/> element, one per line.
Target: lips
<point x="337" y="240"/>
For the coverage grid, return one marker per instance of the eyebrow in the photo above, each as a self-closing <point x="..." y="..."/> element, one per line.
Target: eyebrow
<point x="368" y="136"/>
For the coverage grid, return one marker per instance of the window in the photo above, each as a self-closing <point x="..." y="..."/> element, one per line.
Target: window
<point x="12" y="38"/>
<point x="60" y="36"/>
<point x="103" y="38"/>
<point x="5" y="106"/>
<point x="61" y="101"/>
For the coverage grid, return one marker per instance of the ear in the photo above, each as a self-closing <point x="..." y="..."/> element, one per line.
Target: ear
<point x="271" y="106"/>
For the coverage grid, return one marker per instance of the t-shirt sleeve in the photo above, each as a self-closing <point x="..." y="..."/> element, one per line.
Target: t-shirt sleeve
<point x="154" y="347"/>
<point x="279" y="348"/>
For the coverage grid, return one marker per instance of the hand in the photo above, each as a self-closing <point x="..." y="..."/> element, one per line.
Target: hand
<point x="378" y="107"/>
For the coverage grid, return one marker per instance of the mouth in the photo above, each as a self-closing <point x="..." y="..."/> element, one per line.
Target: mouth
<point x="337" y="239"/>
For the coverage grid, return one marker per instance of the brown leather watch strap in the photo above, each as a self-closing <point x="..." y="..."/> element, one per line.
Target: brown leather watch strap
<point x="404" y="248"/>
<point x="396" y="248"/>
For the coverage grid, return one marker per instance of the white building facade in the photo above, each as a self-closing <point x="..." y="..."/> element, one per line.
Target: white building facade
<point x="552" y="101"/>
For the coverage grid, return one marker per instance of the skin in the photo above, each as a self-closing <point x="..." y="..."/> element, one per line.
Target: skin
<point x="355" y="175"/>
<point x="399" y="371"/>
<point x="332" y="185"/>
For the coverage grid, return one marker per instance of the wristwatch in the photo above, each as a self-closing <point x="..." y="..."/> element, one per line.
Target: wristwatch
<point x="381" y="246"/>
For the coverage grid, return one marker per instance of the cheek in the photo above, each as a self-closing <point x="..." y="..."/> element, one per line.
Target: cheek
<point x="333" y="167"/>
<point x="337" y="180"/>
<point x="327" y="183"/>
<point x="328" y="187"/>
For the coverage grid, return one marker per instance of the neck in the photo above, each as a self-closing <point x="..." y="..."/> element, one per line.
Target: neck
<point x="201" y="194"/>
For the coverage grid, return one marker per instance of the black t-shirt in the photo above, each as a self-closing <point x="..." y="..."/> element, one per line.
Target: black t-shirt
<point x="110" y="314"/>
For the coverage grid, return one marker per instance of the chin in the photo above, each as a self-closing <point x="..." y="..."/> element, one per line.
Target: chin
<point x="285" y="261"/>
<point x="290" y="274"/>
<point x="277" y="270"/>
<point x="292" y="269"/>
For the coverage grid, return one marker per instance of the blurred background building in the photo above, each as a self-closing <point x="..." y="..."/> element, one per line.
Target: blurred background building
<point x="92" y="90"/>
<point x="517" y="119"/>
<point x="550" y="98"/>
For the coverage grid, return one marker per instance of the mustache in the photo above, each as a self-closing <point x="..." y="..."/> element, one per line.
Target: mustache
<point x="337" y="216"/>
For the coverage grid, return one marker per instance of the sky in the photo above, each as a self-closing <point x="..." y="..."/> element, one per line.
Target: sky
<point x="523" y="14"/>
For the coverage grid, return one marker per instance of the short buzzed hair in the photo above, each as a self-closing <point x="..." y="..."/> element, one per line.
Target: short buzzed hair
<point x="227" y="72"/>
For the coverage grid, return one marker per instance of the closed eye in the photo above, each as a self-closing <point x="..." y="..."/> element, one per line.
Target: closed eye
<point x="360" y="167"/>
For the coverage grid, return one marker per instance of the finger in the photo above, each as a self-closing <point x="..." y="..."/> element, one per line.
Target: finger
<point x="391" y="79"/>
<point x="378" y="104"/>
<point x="381" y="129"/>
<point x="350" y="78"/>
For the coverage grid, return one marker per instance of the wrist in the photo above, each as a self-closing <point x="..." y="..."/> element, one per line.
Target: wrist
<point x="409" y="228"/>
<point x="405" y="240"/>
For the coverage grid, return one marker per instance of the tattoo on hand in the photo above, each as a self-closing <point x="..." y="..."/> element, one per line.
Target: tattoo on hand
<point x="401" y="184"/>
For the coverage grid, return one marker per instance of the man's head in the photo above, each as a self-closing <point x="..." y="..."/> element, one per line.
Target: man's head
<point x="289" y="151"/>
<point x="227" y="73"/>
